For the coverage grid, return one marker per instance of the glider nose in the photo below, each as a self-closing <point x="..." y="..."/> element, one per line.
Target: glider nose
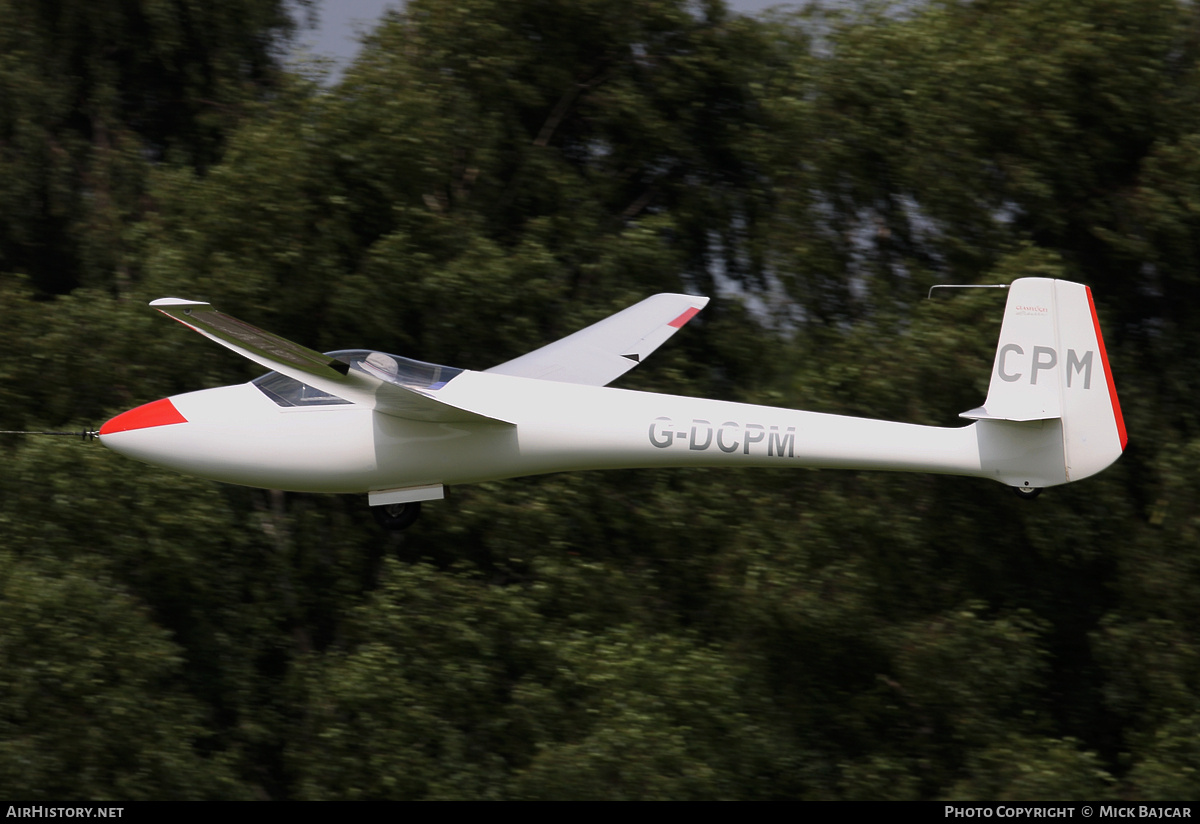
<point x="139" y="433"/>
<point x="158" y="413"/>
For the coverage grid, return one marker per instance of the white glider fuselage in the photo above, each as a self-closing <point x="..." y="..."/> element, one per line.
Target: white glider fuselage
<point x="237" y="434"/>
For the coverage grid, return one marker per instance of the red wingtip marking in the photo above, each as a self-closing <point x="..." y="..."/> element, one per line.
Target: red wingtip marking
<point x="1112" y="387"/>
<point x="158" y="413"/>
<point x="684" y="318"/>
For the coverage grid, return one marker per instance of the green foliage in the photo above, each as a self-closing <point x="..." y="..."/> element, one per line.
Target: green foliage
<point x="92" y="703"/>
<point x="1168" y="766"/>
<point x="452" y="688"/>
<point x="490" y="176"/>
<point x="91" y="91"/>
<point x="1021" y="769"/>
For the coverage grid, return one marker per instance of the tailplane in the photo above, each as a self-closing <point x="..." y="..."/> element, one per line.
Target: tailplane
<point x="1051" y="414"/>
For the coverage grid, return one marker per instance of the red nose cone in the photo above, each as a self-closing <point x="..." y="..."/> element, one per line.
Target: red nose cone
<point x="158" y="413"/>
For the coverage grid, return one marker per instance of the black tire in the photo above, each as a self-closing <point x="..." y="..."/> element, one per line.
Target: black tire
<point x="397" y="516"/>
<point x="1027" y="493"/>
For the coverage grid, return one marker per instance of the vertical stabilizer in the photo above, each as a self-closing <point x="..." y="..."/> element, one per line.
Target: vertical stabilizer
<point x="1051" y="366"/>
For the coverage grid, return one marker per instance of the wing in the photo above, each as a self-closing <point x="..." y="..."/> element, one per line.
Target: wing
<point x="605" y="351"/>
<point x="386" y="383"/>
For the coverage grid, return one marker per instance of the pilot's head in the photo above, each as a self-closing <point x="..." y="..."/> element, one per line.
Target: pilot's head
<point x="383" y="363"/>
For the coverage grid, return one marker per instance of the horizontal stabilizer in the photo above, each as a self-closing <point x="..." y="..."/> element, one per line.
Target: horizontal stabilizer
<point x="980" y="413"/>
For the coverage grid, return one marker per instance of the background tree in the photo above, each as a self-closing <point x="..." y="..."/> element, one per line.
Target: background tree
<point x="93" y="93"/>
<point x="490" y="176"/>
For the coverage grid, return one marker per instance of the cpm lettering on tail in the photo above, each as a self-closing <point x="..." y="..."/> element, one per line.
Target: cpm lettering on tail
<point x="1042" y="359"/>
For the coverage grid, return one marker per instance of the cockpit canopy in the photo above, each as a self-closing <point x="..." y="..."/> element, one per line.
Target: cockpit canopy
<point x="411" y="374"/>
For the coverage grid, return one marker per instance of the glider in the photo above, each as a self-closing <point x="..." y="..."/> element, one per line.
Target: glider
<point x="400" y="430"/>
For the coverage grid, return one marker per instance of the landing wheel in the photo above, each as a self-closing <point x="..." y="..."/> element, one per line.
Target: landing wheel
<point x="397" y="516"/>
<point x="1027" y="493"/>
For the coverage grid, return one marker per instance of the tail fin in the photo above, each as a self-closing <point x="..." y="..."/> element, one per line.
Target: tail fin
<point x="1051" y="397"/>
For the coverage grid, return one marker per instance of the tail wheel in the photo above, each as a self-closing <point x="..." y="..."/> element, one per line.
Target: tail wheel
<point x="1027" y="493"/>
<point x="397" y="516"/>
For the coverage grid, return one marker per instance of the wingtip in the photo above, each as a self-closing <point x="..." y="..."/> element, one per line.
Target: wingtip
<point x="177" y="302"/>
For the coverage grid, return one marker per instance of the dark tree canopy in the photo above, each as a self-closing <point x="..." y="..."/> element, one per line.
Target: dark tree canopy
<point x="489" y="176"/>
<point x="92" y="93"/>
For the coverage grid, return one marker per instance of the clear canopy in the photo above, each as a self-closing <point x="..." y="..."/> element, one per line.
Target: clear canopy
<point x="411" y="374"/>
